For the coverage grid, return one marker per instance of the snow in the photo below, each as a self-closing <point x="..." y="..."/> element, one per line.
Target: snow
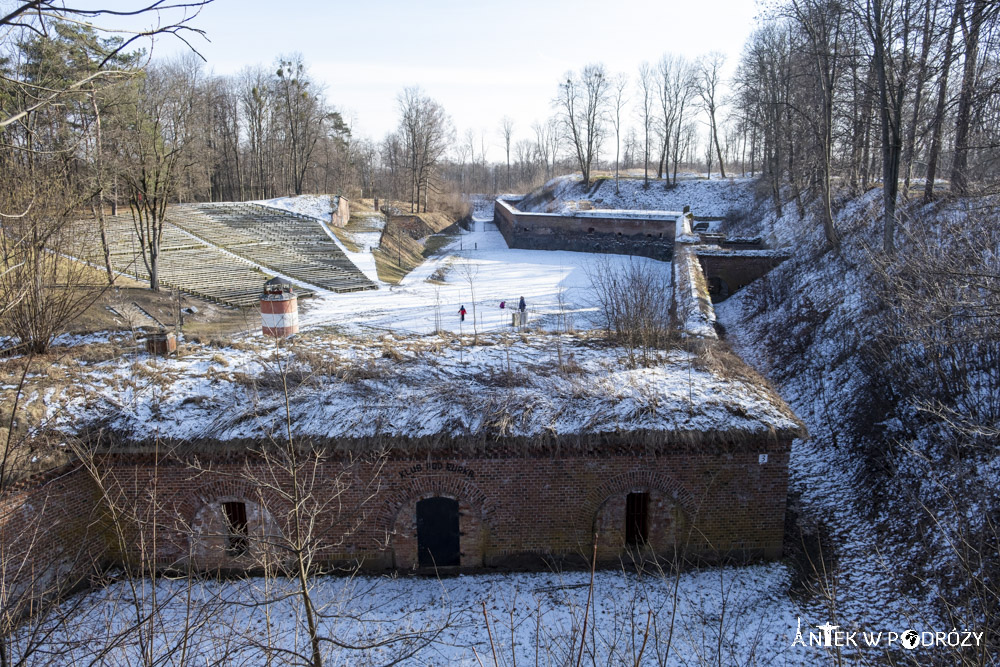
<point x="716" y="198"/>
<point x="694" y="308"/>
<point x="432" y="384"/>
<point x="530" y="615"/>
<point x="428" y="298"/>
<point x="412" y="387"/>
<point x="808" y="342"/>
<point x="320" y="207"/>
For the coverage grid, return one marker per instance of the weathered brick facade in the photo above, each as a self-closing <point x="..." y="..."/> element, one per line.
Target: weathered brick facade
<point x="735" y="269"/>
<point x="647" y="237"/>
<point x="51" y="538"/>
<point x="706" y="502"/>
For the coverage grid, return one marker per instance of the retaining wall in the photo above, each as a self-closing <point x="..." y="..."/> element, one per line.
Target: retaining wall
<point x="709" y="503"/>
<point x="586" y="231"/>
<point x="52" y="538"/>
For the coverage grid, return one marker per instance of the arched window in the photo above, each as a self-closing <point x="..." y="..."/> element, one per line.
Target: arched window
<point x="235" y="513"/>
<point x="636" y="519"/>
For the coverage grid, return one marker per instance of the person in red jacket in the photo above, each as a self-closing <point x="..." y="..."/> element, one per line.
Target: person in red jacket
<point x="461" y="313"/>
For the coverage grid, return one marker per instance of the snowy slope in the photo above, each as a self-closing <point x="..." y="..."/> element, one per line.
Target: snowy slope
<point x="411" y="387"/>
<point x="707" y="198"/>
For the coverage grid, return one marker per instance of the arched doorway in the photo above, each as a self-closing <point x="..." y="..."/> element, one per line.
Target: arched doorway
<point x="437" y="533"/>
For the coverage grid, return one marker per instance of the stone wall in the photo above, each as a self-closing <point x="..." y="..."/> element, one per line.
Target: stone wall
<point x="586" y="232"/>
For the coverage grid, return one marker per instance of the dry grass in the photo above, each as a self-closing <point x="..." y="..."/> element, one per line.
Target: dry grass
<point x="397" y="255"/>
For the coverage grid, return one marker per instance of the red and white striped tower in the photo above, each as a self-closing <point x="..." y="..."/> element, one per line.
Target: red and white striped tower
<point x="279" y="309"/>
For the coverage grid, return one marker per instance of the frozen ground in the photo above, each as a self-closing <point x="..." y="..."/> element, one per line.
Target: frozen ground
<point x="478" y="271"/>
<point x="725" y="616"/>
<point x="707" y="198"/>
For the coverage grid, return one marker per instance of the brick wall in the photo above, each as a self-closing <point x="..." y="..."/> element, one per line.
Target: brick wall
<point x="52" y="538"/>
<point x="624" y="236"/>
<point x="514" y="510"/>
<point x="736" y="269"/>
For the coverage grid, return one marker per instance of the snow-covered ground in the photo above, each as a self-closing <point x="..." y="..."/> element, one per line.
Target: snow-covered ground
<point x="477" y="271"/>
<point x="410" y="387"/>
<point x="707" y="198"/>
<point x="804" y="327"/>
<point x="723" y="616"/>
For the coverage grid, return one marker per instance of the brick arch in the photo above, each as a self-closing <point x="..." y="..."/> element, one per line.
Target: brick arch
<point x="637" y="479"/>
<point x="186" y="504"/>
<point x="429" y="487"/>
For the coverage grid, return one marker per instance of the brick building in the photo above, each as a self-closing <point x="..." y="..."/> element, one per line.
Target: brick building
<point x="682" y="459"/>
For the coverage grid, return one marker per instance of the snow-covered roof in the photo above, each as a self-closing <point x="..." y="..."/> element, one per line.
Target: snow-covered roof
<point x="546" y="388"/>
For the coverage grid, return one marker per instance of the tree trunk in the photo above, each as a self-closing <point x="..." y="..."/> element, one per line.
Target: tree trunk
<point x="718" y="150"/>
<point x="909" y="146"/>
<point x="938" y="120"/>
<point x="959" y="168"/>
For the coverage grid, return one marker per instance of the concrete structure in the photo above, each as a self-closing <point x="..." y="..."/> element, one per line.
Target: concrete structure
<point x="341" y="213"/>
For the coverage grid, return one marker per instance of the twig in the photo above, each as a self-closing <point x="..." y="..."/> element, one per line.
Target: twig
<point x="490" y="634"/>
<point x="586" y="611"/>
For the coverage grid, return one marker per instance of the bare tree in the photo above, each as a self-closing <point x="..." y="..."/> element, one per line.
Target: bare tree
<point x="617" y="102"/>
<point x="426" y="132"/>
<point x="675" y="88"/>
<point x="507" y="131"/>
<point x="937" y="121"/>
<point x="646" y="96"/>
<point x="972" y="22"/>
<point x="887" y="22"/>
<point x="708" y="81"/>
<point x="581" y="102"/>
<point x="301" y="116"/>
<point x="634" y="302"/>
<point x="156" y="134"/>
<point x="470" y="273"/>
<point x="547" y="144"/>
<point x="821" y="22"/>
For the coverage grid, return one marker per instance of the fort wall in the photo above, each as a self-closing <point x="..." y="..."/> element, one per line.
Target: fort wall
<point x="587" y="231"/>
<point x="52" y="538"/>
<point x="706" y="503"/>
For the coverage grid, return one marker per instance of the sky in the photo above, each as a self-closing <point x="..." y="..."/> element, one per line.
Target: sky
<point x="481" y="60"/>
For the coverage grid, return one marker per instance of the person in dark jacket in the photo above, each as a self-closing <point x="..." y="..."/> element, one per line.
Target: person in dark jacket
<point x="461" y="313"/>
<point x="522" y="306"/>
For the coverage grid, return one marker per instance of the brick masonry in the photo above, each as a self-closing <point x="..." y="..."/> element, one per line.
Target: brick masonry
<point x="619" y="235"/>
<point x="518" y="511"/>
<point x="52" y="538"/>
<point x="735" y="269"/>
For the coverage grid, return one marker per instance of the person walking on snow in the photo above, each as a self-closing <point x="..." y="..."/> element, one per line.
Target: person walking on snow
<point x="522" y="306"/>
<point x="461" y="313"/>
